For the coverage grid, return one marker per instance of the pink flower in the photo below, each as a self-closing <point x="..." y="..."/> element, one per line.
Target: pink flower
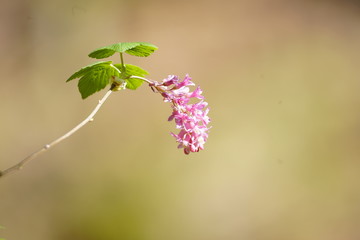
<point x="191" y="119"/>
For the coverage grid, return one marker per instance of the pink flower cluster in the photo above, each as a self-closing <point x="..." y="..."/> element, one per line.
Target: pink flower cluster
<point x="191" y="119"/>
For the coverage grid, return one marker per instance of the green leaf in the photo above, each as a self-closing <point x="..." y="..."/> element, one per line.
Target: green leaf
<point x="140" y="49"/>
<point x="135" y="70"/>
<point x="132" y="70"/>
<point x="133" y="83"/>
<point x="86" y="70"/>
<point x="95" y="80"/>
<point x="94" y="77"/>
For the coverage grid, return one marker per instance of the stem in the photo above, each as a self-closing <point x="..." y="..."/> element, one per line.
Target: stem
<point x="122" y="62"/>
<point x="19" y="165"/>
<point x="144" y="79"/>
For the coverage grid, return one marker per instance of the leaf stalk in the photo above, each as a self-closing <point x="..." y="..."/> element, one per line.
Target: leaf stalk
<point x="122" y="63"/>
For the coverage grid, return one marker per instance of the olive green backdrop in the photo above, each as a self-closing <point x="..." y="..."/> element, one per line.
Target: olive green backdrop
<point x="282" y="161"/>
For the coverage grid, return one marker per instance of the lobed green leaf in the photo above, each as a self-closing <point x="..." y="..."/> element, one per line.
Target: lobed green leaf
<point x="132" y="70"/>
<point x="87" y="69"/>
<point x="94" y="77"/>
<point x="140" y="49"/>
<point x="133" y="83"/>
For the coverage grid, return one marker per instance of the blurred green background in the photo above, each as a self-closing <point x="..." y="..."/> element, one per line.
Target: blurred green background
<point x="282" y="160"/>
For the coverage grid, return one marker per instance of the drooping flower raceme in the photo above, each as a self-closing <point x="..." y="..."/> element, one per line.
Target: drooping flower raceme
<point x="191" y="118"/>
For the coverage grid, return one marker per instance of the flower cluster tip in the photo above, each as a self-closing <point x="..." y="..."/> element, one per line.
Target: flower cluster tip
<point x="190" y="118"/>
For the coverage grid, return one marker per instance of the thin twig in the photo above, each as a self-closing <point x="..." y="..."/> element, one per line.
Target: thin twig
<point x="19" y="165"/>
<point x="144" y="79"/>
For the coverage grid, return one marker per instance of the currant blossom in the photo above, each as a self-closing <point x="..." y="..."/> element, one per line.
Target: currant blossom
<point x="190" y="118"/>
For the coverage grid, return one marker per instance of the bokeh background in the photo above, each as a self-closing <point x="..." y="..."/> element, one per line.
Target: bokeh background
<point x="282" y="160"/>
